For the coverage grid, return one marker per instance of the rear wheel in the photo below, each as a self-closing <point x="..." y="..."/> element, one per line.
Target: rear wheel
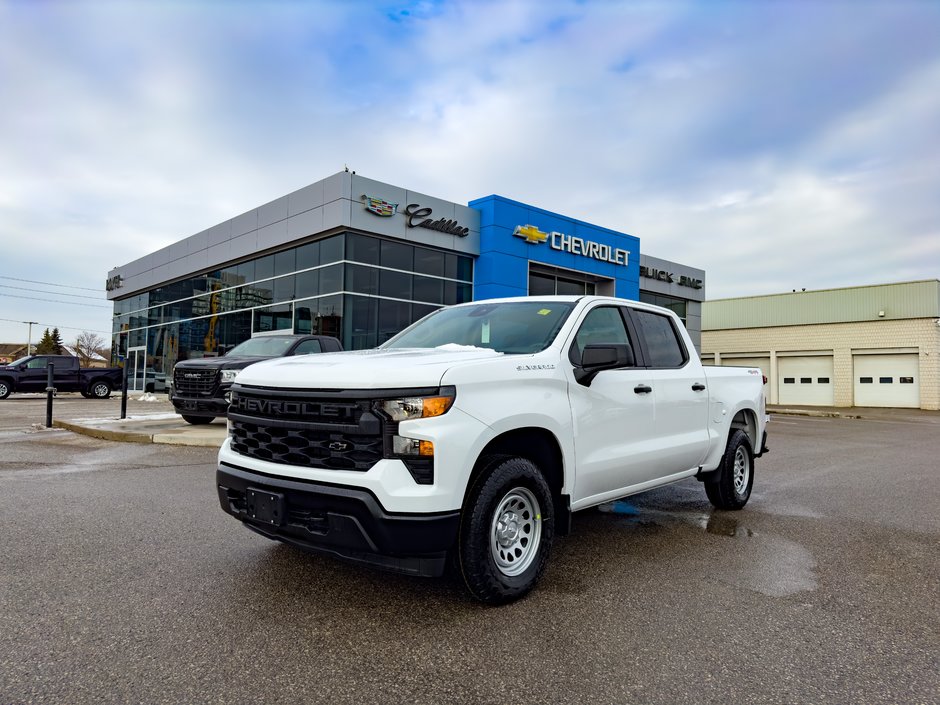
<point x="100" y="390"/>
<point x="197" y="420"/>
<point x="506" y="532"/>
<point x="729" y="487"/>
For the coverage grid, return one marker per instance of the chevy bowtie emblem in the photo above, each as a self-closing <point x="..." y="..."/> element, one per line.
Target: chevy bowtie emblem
<point x="338" y="445"/>
<point x="379" y="206"/>
<point x="531" y="234"/>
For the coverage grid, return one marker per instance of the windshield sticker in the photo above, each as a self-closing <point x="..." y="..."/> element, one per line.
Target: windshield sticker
<point x="545" y="311"/>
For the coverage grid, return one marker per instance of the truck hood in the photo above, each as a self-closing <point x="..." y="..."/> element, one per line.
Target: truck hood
<point x="219" y="363"/>
<point x="364" y="369"/>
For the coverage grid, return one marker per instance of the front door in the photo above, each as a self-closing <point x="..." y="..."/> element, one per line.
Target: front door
<point x="613" y="418"/>
<point x="136" y="369"/>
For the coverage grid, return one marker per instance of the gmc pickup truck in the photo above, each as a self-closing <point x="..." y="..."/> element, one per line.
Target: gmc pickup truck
<point x="475" y="434"/>
<point x="200" y="390"/>
<point x="28" y="374"/>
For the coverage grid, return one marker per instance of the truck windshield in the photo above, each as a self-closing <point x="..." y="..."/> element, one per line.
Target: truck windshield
<point x="267" y="346"/>
<point x="509" y="327"/>
<point x="21" y="362"/>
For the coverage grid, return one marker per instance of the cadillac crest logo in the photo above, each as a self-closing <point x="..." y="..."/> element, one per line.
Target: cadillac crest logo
<point x="379" y="206"/>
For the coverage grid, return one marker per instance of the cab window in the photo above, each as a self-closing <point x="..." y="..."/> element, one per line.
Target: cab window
<point x="307" y="347"/>
<point x="663" y="346"/>
<point x="602" y="326"/>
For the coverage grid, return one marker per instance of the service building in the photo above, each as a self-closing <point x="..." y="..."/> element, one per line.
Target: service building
<point x="864" y="346"/>
<point x="361" y="260"/>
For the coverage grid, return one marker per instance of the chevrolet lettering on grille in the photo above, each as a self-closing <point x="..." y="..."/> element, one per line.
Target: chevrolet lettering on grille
<point x="275" y="408"/>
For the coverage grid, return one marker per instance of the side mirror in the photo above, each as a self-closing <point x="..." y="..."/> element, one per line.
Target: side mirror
<point x="597" y="358"/>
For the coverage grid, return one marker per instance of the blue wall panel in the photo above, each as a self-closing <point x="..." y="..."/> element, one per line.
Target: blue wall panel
<point x="502" y="268"/>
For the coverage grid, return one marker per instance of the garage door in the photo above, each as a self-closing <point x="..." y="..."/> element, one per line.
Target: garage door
<point x="763" y="363"/>
<point x="886" y="380"/>
<point x="805" y="380"/>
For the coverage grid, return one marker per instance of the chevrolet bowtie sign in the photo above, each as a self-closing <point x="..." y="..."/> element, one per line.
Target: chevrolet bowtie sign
<point x="574" y="245"/>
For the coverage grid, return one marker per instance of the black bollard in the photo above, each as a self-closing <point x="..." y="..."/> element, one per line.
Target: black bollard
<point x="124" y="391"/>
<point x="50" y="392"/>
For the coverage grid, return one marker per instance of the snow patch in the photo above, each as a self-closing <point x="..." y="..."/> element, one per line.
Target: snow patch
<point x="456" y="347"/>
<point x="147" y="396"/>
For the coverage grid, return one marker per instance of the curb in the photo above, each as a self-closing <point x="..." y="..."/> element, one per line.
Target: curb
<point x="104" y="434"/>
<point x="818" y="414"/>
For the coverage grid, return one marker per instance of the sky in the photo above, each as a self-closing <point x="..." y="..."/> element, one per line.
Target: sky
<point x="776" y="145"/>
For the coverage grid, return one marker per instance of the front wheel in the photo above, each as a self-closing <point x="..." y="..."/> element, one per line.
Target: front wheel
<point x="506" y="532"/>
<point x="197" y="420"/>
<point x="729" y="487"/>
<point x="5" y="389"/>
<point x="100" y="390"/>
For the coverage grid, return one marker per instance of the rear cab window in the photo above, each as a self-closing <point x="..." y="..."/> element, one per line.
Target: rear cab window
<point x="664" y="347"/>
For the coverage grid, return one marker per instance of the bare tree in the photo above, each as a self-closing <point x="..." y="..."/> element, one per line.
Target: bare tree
<point x="87" y="345"/>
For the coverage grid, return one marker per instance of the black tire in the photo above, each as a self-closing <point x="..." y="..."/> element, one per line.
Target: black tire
<point x="729" y="487"/>
<point x="99" y="389"/>
<point x="197" y="420"/>
<point x="84" y="393"/>
<point x="5" y="389"/>
<point x="501" y="562"/>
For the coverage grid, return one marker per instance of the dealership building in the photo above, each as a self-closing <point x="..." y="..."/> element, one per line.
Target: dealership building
<point x="361" y="260"/>
<point x="864" y="346"/>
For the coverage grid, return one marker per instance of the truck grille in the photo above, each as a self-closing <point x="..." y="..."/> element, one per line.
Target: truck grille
<point x="306" y="429"/>
<point x="306" y="448"/>
<point x="194" y="383"/>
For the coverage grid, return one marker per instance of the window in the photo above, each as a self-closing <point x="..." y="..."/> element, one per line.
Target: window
<point x="662" y="345"/>
<point x="547" y="283"/>
<point x="430" y="262"/>
<point x="789" y="380"/>
<point x="307" y="347"/>
<point x="822" y="380"/>
<point x="864" y="380"/>
<point x="331" y="249"/>
<point x="430" y="290"/>
<point x="308" y="255"/>
<point x="397" y="255"/>
<point x="806" y="380"/>
<point x="277" y="317"/>
<point x="363" y="280"/>
<point x="307" y="283"/>
<point x="906" y="380"/>
<point x="264" y="267"/>
<point x="886" y="380"/>
<point x="361" y="248"/>
<point x="285" y="262"/>
<point x="677" y="306"/>
<point x="331" y="279"/>
<point x="284" y="288"/>
<point x="602" y="326"/>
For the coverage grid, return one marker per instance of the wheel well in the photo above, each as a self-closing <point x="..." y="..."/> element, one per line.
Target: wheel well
<point x="541" y="447"/>
<point x="747" y="422"/>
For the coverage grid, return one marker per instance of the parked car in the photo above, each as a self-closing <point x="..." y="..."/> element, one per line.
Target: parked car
<point x="29" y="374"/>
<point x="478" y="431"/>
<point x="200" y="390"/>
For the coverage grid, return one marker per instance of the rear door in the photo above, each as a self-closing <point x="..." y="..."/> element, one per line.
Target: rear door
<point x="612" y="418"/>
<point x="679" y="391"/>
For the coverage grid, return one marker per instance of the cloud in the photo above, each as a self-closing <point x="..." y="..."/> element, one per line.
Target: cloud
<point x="776" y="145"/>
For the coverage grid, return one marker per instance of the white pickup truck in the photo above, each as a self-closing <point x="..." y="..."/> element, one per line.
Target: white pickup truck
<point x="476" y="432"/>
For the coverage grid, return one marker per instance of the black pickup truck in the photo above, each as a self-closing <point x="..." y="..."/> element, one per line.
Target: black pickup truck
<point x="28" y="374"/>
<point x="201" y="386"/>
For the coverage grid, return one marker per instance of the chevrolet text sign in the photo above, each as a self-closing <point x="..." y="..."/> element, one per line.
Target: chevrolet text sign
<point x="574" y="245"/>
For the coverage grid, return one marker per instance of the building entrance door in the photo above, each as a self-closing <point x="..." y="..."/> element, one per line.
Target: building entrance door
<point x="136" y="369"/>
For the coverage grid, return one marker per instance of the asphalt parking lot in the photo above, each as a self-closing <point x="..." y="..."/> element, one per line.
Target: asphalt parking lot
<point x="122" y="581"/>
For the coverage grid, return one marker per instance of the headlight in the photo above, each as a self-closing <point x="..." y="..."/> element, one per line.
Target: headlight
<point x="419" y="407"/>
<point x="229" y="375"/>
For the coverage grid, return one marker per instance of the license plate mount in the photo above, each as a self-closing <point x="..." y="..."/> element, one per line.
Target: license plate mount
<point x="265" y="507"/>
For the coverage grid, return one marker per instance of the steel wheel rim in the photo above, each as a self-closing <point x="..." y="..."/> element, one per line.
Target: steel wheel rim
<point x="516" y="531"/>
<point x="100" y="390"/>
<point x="3" y="388"/>
<point x="742" y="470"/>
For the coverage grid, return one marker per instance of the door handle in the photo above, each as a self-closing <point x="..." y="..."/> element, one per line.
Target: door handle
<point x="642" y="389"/>
<point x="698" y="387"/>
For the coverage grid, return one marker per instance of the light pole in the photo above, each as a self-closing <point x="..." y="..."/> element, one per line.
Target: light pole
<point x="29" y="337"/>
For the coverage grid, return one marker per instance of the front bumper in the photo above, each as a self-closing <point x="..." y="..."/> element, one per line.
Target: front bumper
<point x="200" y="406"/>
<point x="345" y="521"/>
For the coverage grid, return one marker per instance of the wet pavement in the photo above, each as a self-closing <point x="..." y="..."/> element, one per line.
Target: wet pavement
<point x="123" y="581"/>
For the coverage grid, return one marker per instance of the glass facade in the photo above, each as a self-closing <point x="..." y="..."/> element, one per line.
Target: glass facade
<point x="677" y="306"/>
<point x="358" y="288"/>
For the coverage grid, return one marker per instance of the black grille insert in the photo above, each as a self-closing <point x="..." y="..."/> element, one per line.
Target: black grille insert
<point x="194" y="383"/>
<point x="306" y="447"/>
